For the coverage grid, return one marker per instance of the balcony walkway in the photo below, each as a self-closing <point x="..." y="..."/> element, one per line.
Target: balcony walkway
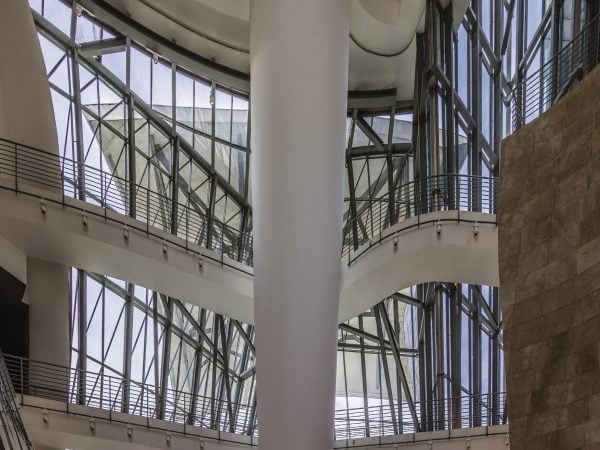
<point x="68" y="408"/>
<point x="203" y="262"/>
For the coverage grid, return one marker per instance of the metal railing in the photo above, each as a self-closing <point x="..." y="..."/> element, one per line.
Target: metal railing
<point x="24" y="167"/>
<point x="540" y="90"/>
<point x="115" y="394"/>
<point x="27" y="166"/>
<point x="12" y="431"/>
<point x="450" y="413"/>
<point x="456" y="192"/>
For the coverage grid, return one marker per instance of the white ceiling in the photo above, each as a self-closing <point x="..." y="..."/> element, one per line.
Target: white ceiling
<point x="382" y="49"/>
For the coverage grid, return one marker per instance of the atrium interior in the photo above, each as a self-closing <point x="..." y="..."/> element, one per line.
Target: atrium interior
<point x="283" y="224"/>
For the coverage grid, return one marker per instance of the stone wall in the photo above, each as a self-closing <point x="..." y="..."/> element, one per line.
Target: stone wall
<point x="549" y="250"/>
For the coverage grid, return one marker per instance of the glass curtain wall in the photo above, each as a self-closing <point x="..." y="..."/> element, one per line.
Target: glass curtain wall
<point x="128" y="112"/>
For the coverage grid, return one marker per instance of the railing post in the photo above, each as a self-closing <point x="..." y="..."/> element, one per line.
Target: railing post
<point x="148" y="209"/>
<point x="222" y="241"/>
<point x="110" y="394"/>
<point x="16" y="171"/>
<point x="380" y="223"/>
<point x="22" y="380"/>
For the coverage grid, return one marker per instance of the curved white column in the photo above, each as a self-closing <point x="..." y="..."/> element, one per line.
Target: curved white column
<point x="299" y="66"/>
<point x="26" y="114"/>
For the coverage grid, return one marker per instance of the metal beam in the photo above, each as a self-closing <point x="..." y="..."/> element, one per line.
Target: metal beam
<point x="399" y="365"/>
<point x="384" y="363"/>
<point x="103" y="47"/>
<point x="393" y="149"/>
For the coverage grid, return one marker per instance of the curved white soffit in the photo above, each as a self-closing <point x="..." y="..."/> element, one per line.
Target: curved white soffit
<point x="368" y="71"/>
<point x="59" y="236"/>
<point x="385" y="27"/>
<point x="196" y="26"/>
<point x="456" y="255"/>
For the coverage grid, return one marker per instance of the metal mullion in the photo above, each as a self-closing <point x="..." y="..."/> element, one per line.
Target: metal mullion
<point x="240" y="383"/>
<point x="127" y="354"/>
<point x="144" y="355"/>
<point x="390" y="168"/>
<point x="399" y="367"/>
<point x="197" y="374"/>
<point x="456" y="351"/>
<point x="428" y="358"/>
<point x="475" y="366"/>
<point x="399" y="412"/>
<point x="451" y="150"/>
<point x="363" y="370"/>
<point x="439" y="386"/>
<point x="378" y="312"/>
<point x="78" y="122"/>
<point x="165" y="360"/>
<point x="226" y="344"/>
<point x="215" y="328"/>
<point x="419" y="143"/>
<point x="351" y="183"/>
<point x="495" y="356"/>
<point x="345" y="377"/>
<point x="102" y="339"/>
<point x="497" y="90"/>
<point x="82" y="336"/>
<point x="507" y="30"/>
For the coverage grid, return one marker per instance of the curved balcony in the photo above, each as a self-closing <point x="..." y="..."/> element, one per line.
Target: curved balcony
<point x="439" y="228"/>
<point x="35" y="167"/>
<point x="418" y="199"/>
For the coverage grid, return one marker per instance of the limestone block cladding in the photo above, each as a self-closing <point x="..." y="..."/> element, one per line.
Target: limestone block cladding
<point x="549" y="251"/>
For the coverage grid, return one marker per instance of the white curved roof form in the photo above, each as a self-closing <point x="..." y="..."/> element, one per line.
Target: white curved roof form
<point x="382" y="49"/>
<point x="411" y="252"/>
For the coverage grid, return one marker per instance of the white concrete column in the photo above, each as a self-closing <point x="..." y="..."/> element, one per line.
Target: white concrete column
<point x="48" y="296"/>
<point x="26" y="114"/>
<point x="299" y="70"/>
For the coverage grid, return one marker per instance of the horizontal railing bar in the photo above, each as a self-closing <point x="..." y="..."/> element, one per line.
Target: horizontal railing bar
<point x="110" y="191"/>
<point x="108" y="392"/>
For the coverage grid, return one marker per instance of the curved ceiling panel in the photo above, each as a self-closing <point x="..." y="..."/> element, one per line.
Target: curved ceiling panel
<point x="385" y="28"/>
<point x="382" y="48"/>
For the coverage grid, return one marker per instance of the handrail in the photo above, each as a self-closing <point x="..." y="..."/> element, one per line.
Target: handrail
<point x="540" y="90"/>
<point x="116" y="394"/>
<point x="12" y="430"/>
<point x="448" y="192"/>
<point x="29" y="166"/>
<point x="450" y="413"/>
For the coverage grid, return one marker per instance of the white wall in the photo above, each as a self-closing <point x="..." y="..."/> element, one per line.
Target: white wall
<point x="48" y="296"/>
<point x="26" y="113"/>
